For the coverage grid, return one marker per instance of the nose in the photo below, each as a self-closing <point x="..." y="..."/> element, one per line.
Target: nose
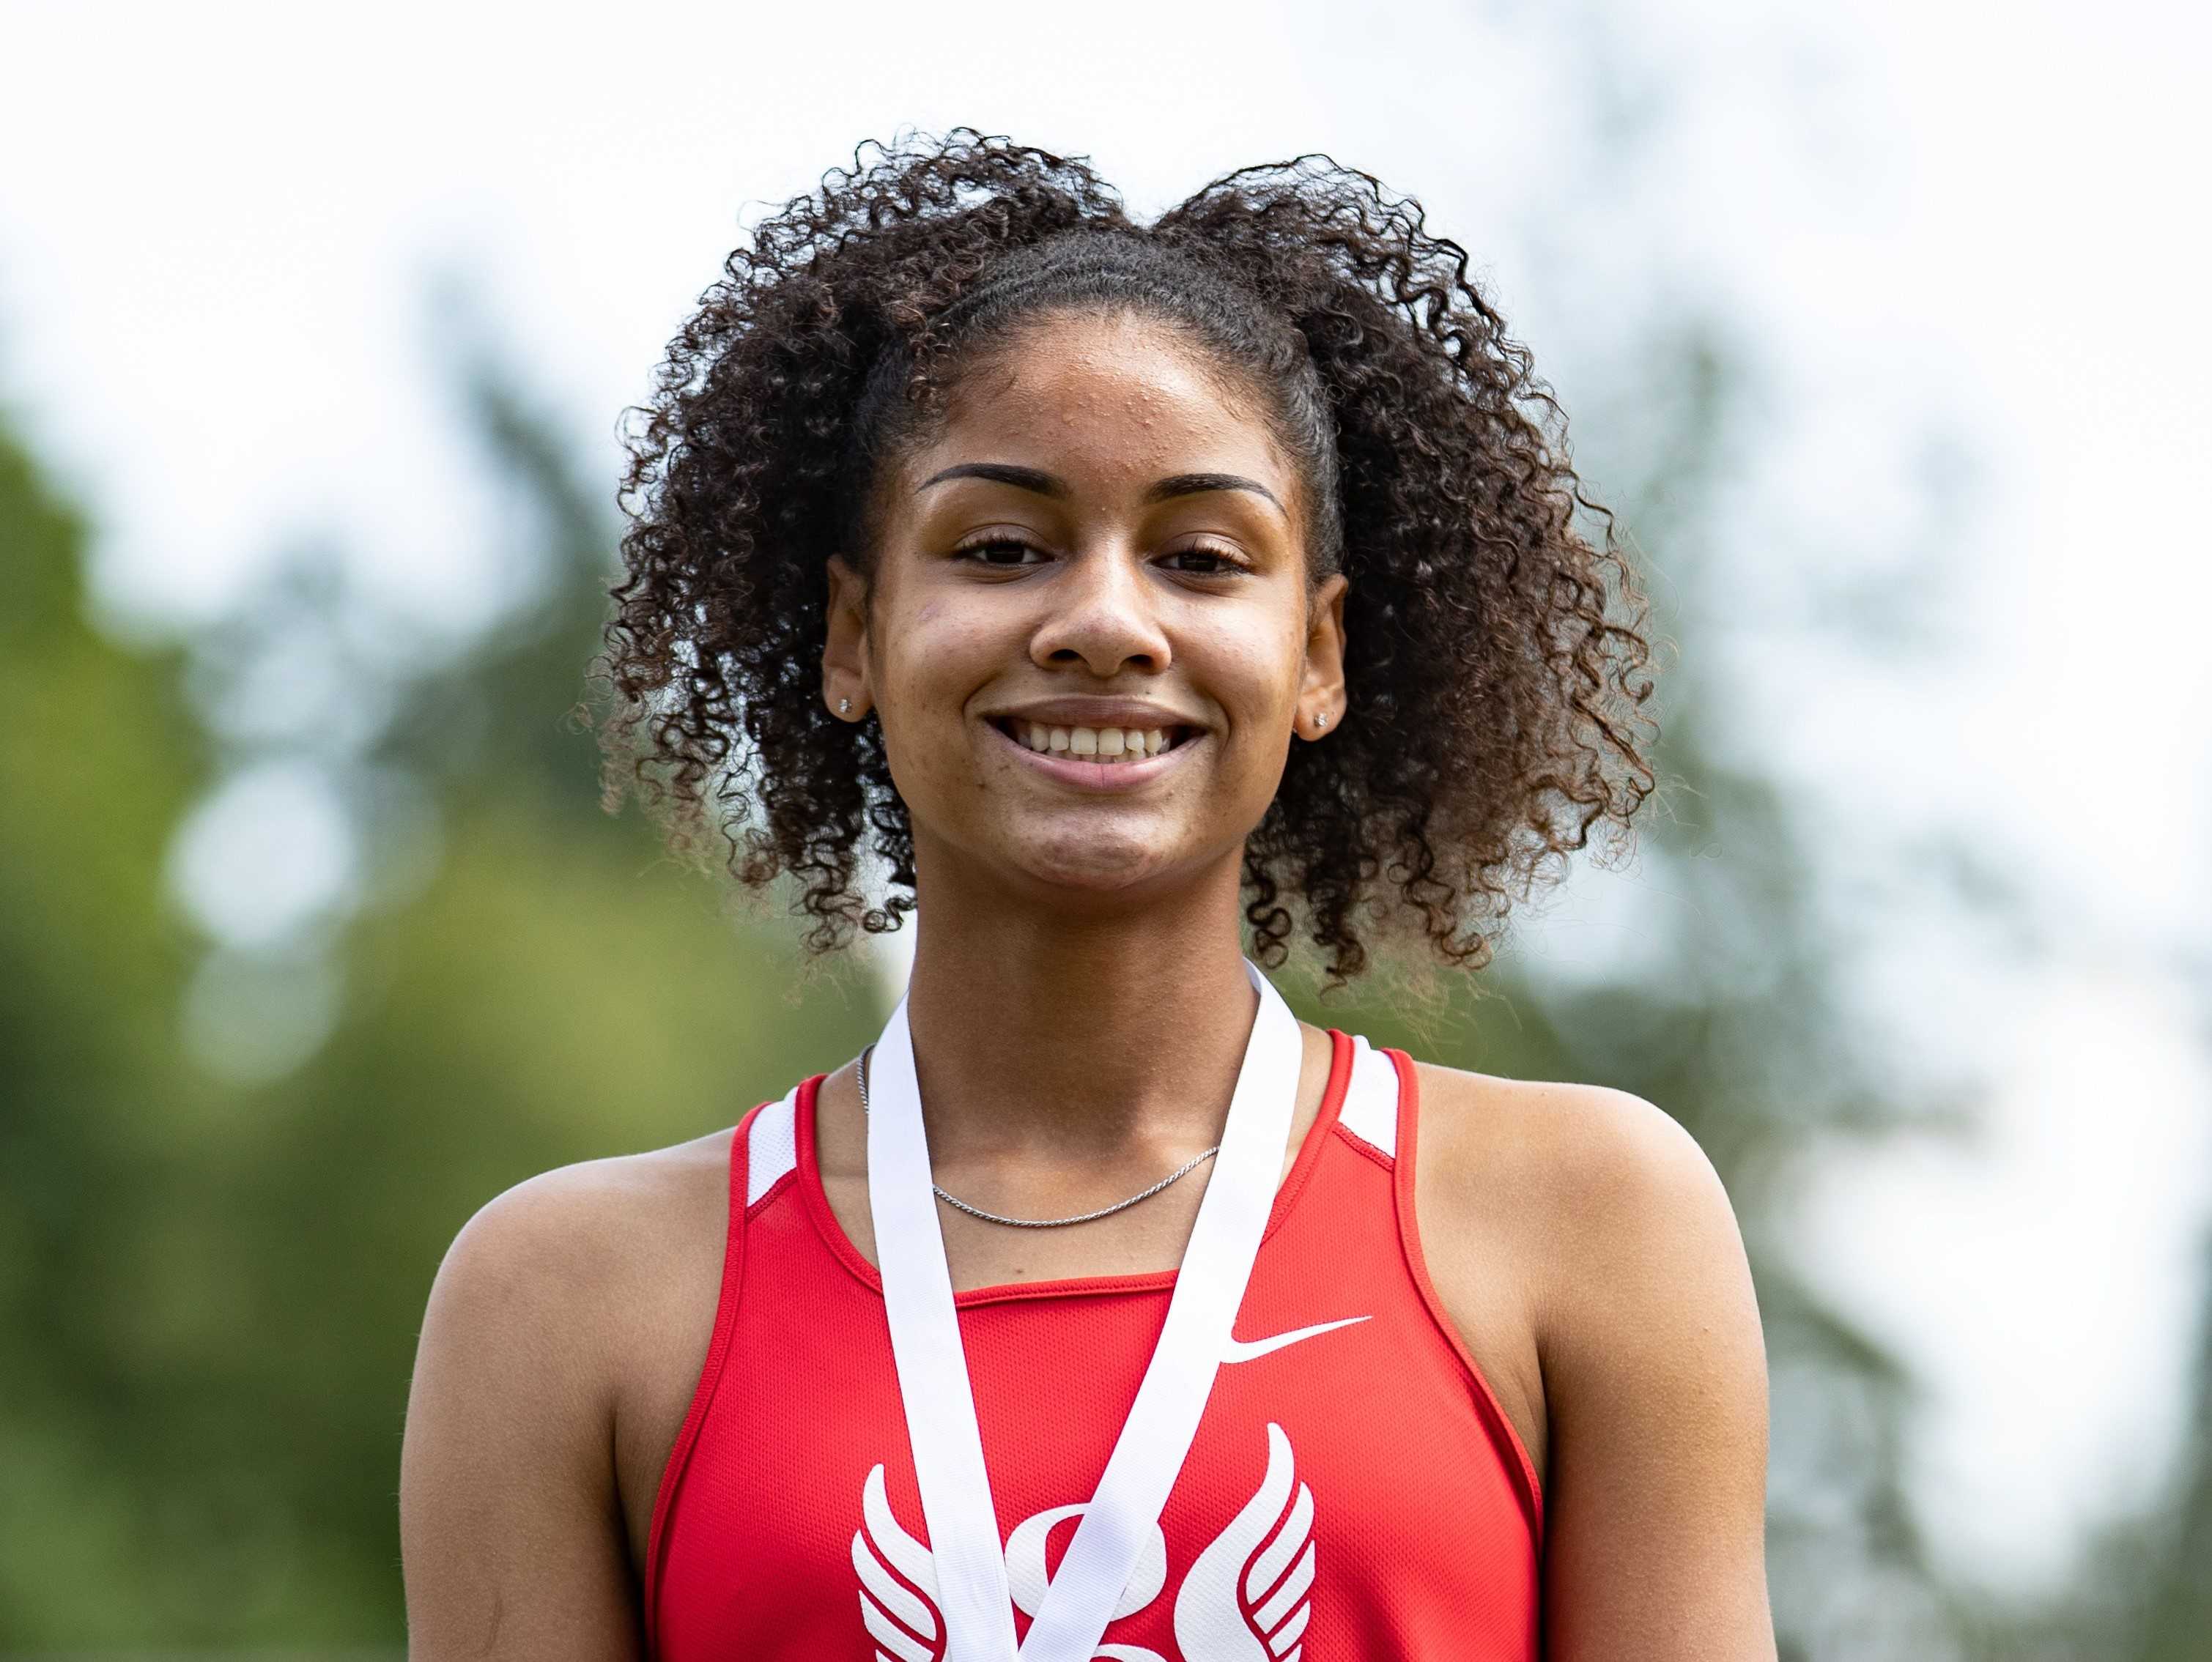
<point x="1102" y="613"/>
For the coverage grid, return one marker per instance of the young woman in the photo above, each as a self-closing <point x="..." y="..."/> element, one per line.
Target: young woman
<point x="1137" y="595"/>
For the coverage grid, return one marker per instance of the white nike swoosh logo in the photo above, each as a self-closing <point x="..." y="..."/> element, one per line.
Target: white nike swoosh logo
<point x="1251" y="1349"/>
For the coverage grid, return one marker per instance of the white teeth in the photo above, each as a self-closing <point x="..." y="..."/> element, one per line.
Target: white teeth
<point x="1103" y="744"/>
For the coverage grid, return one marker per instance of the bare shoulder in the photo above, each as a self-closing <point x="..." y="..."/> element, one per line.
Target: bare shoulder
<point x="584" y="1242"/>
<point x="1560" y="1221"/>
<point x="599" y="1206"/>
<point x="1585" y="1238"/>
<point x="1606" y="1175"/>
<point x="564" y="1331"/>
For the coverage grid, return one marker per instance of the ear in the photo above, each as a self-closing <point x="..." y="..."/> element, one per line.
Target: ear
<point x="1321" y="687"/>
<point x="845" y="668"/>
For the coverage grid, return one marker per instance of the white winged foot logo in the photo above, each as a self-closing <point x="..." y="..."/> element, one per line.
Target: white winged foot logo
<point x="1225" y="1612"/>
<point x="901" y="1617"/>
<point x="1247" y="1597"/>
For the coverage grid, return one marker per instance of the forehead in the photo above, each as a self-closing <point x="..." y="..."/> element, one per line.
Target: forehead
<point x="1118" y="398"/>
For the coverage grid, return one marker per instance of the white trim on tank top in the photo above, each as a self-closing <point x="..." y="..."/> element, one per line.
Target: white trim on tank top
<point x="772" y="1146"/>
<point x="1370" y="1099"/>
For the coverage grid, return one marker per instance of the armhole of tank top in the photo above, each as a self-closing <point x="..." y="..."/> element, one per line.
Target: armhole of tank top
<point x="1499" y="1422"/>
<point x="710" y="1372"/>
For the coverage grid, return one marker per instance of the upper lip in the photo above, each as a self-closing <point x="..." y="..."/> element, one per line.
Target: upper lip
<point x="1093" y="711"/>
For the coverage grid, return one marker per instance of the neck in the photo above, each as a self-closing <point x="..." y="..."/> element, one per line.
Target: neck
<point x="1070" y="1036"/>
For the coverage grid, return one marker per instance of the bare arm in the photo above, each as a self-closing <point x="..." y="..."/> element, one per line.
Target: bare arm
<point x="1655" y="1382"/>
<point x="511" y="1529"/>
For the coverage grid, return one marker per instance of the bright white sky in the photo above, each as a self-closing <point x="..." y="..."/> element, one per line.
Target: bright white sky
<point x="218" y="224"/>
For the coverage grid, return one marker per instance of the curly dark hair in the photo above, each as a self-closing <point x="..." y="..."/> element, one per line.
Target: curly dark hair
<point x="1496" y="662"/>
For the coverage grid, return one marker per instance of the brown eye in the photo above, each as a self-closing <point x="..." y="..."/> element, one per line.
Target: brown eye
<point x="999" y="553"/>
<point x="1207" y="562"/>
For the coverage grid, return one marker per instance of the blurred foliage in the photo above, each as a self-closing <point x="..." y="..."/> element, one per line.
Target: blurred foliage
<point x="214" y="1244"/>
<point x="96" y="763"/>
<point x="210" y="1285"/>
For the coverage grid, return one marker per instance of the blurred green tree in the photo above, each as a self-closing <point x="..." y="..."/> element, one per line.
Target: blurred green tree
<point x="2173" y="1620"/>
<point x="97" y="759"/>
<point x="212" y="1266"/>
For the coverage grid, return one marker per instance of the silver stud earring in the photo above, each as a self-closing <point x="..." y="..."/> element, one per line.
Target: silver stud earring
<point x="1320" y="722"/>
<point x="844" y="707"/>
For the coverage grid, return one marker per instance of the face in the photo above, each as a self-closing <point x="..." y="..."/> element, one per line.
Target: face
<point x="1097" y="557"/>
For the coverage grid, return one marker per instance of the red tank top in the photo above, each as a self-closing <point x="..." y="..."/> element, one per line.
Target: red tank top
<point x="1354" y="1490"/>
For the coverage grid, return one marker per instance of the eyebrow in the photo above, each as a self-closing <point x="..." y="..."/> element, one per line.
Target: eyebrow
<point x="1047" y="484"/>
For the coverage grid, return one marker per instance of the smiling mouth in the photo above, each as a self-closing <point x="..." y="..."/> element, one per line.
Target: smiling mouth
<point x="1110" y="746"/>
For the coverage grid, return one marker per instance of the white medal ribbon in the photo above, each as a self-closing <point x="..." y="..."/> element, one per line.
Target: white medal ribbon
<point x="970" y="1559"/>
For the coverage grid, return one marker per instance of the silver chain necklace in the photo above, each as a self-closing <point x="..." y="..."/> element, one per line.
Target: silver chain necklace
<point x="958" y="1204"/>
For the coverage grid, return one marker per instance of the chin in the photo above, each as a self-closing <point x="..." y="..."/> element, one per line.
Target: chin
<point x="1092" y="861"/>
